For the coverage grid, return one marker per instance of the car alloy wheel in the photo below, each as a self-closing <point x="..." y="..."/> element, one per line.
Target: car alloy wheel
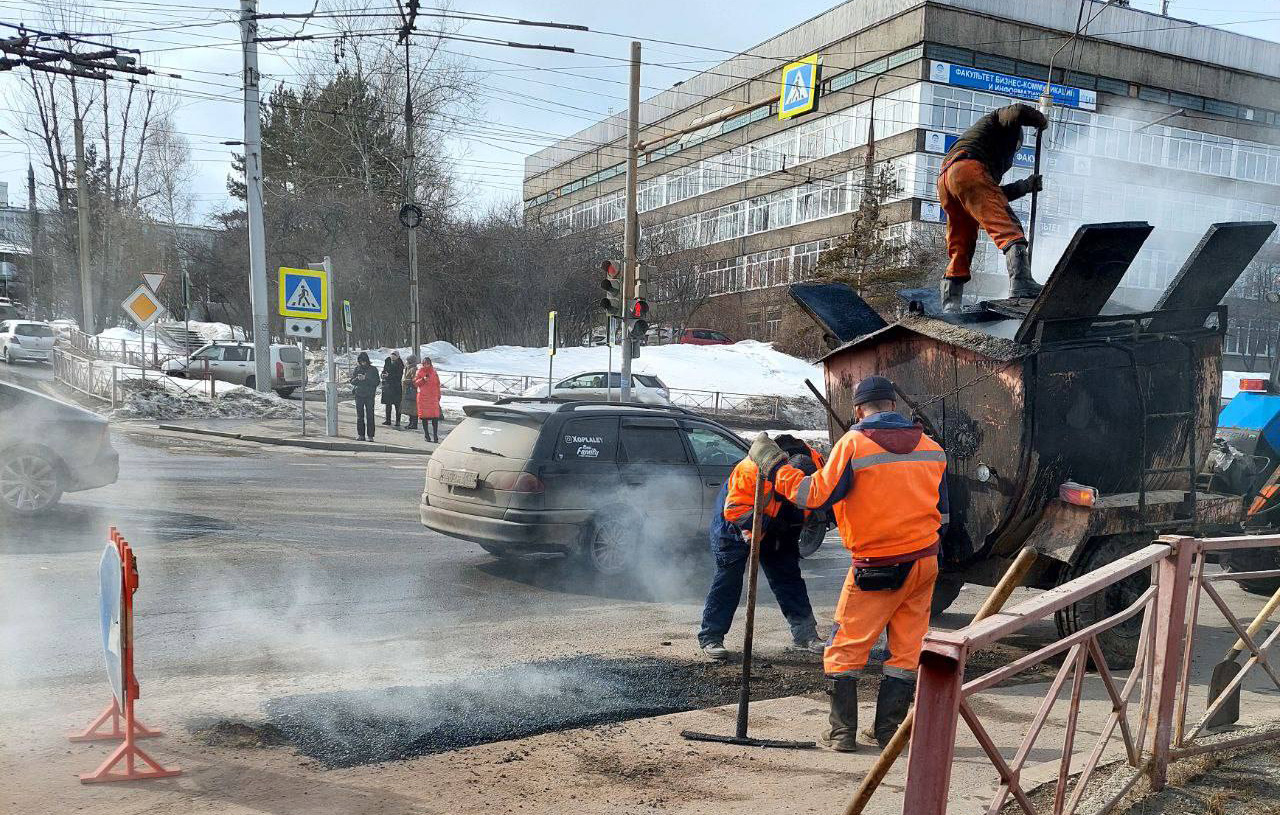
<point x="611" y="546"/>
<point x="28" y="482"/>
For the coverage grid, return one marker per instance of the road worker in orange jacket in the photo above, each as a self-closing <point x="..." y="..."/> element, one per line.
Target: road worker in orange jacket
<point x="885" y="482"/>
<point x="781" y="526"/>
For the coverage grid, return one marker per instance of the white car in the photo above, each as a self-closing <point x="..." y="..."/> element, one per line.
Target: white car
<point x="231" y="361"/>
<point x="645" y="389"/>
<point x="25" y="340"/>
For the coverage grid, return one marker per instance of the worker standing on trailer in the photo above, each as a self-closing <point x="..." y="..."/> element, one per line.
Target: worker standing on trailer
<point x="885" y="482"/>
<point x="971" y="195"/>
<point x="779" y="554"/>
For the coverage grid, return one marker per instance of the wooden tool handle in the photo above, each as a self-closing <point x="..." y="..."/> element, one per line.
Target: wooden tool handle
<point x="1256" y="625"/>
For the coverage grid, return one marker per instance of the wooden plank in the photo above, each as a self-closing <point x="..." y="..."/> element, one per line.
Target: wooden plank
<point x="1086" y="276"/>
<point x="1209" y="272"/>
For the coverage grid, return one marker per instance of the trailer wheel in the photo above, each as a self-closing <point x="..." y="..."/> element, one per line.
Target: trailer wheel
<point x="1255" y="560"/>
<point x="945" y="592"/>
<point x="1119" y="643"/>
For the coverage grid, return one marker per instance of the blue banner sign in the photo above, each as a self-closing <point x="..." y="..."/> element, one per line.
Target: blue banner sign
<point x="1006" y="85"/>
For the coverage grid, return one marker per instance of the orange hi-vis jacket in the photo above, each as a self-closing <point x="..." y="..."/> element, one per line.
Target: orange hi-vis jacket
<point x="885" y="482"/>
<point x="741" y="496"/>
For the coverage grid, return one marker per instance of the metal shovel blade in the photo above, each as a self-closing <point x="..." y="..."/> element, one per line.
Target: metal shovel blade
<point x="1229" y="713"/>
<point x="746" y="741"/>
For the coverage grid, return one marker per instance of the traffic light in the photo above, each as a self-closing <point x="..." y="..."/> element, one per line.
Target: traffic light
<point x="612" y="302"/>
<point x="640" y="301"/>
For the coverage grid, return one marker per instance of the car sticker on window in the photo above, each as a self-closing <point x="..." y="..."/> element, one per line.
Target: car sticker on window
<point x="586" y="451"/>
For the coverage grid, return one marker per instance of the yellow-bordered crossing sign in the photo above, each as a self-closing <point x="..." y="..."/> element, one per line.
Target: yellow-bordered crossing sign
<point x="799" y="91"/>
<point x="304" y="293"/>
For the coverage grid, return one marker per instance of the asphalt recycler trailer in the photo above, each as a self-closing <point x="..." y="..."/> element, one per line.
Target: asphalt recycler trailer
<point x="1071" y="425"/>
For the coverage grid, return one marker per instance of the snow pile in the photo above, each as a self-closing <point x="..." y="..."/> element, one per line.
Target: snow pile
<point x="158" y="402"/>
<point x="210" y="332"/>
<point x="119" y="338"/>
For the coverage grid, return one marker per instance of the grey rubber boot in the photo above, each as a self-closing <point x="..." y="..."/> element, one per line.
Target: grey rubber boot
<point x="842" y="737"/>
<point x="952" y="295"/>
<point x="1018" y="261"/>
<point x="892" y="703"/>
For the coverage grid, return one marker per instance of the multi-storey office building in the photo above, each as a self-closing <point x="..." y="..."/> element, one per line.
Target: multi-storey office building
<point x="1157" y="119"/>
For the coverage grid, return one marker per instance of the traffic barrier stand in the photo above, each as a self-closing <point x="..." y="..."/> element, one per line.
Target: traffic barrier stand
<point x="118" y="573"/>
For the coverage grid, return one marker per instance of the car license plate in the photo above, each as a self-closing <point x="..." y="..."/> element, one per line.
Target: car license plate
<point x="459" y="478"/>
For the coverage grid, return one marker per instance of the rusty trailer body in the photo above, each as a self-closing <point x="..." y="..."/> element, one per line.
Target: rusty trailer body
<point x="1069" y="389"/>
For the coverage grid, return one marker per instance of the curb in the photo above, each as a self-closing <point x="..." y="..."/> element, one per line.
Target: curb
<point x="311" y="444"/>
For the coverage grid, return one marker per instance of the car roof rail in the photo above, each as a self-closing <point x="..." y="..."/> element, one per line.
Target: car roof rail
<point x="569" y="405"/>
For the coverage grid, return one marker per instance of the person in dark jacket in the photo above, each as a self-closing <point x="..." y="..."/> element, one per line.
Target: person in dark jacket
<point x="971" y="195"/>
<point x="409" y="402"/>
<point x="364" y="381"/>
<point x="392" y="386"/>
<point x="781" y="524"/>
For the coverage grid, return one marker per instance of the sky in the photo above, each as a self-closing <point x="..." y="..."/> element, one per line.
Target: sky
<point x="523" y="99"/>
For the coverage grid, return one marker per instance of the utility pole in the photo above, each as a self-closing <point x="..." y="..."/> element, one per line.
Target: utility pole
<point x="82" y="218"/>
<point x="631" y="227"/>
<point x="33" y="226"/>
<point x="253" y="197"/>
<point x="411" y="193"/>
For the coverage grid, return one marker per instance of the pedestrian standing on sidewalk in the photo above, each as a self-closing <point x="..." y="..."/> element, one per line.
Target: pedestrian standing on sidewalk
<point x="409" y="401"/>
<point x="392" y="386"/>
<point x="364" y="381"/>
<point x="886" y="483"/>
<point x="781" y="525"/>
<point x="427" y="381"/>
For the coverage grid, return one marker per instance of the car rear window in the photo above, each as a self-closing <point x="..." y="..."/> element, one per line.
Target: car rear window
<point x="653" y="443"/>
<point x="648" y="381"/>
<point x="588" y="440"/>
<point x="510" y="436"/>
<point x="32" y="330"/>
<point x="290" y="354"/>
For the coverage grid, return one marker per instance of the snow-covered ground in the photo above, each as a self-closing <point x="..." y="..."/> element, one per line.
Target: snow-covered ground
<point x="748" y="367"/>
<point x="235" y="403"/>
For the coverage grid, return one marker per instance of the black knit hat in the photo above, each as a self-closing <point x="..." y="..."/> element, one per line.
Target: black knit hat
<point x="874" y="389"/>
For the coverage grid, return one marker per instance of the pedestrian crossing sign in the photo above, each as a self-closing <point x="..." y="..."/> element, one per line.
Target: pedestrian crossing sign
<point x="304" y="293"/>
<point x="799" y="91"/>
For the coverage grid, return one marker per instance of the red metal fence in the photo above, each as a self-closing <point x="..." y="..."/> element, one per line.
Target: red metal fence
<point x="1145" y="724"/>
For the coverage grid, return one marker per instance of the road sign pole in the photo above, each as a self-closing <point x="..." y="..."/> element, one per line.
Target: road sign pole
<point x="142" y="340"/>
<point x="302" y="349"/>
<point x="551" y="352"/>
<point x="631" y="226"/>
<point x="608" y="374"/>
<point x="330" y="363"/>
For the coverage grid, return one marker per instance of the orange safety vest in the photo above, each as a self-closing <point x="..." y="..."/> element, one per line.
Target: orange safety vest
<point x="742" y="493"/>
<point x="884" y="487"/>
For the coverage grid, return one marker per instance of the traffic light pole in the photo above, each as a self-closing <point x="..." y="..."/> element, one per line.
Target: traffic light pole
<point x="631" y="227"/>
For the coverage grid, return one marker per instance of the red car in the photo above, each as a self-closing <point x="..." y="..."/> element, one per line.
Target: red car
<point x="703" y="336"/>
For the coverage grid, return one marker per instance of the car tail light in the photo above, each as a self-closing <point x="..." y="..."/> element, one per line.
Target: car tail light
<point x="280" y="370"/>
<point x="1077" y="494"/>
<point x="514" y="481"/>
<point x="16" y="340"/>
<point x="1256" y="385"/>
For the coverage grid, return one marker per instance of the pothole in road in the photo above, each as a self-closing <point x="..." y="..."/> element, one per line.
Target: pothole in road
<point x="345" y="729"/>
<point x="241" y="735"/>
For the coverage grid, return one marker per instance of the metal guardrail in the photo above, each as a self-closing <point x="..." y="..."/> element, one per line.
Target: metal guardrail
<point x="714" y="402"/>
<point x="1152" y="724"/>
<point x="111" y="381"/>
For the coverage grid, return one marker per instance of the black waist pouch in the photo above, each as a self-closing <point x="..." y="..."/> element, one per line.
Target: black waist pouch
<point x="882" y="578"/>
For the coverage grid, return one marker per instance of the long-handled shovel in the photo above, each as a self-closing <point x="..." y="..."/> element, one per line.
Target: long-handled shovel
<point x="744" y="692"/>
<point x="1226" y="670"/>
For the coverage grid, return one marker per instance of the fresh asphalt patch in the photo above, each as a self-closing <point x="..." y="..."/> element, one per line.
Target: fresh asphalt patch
<point x="350" y="728"/>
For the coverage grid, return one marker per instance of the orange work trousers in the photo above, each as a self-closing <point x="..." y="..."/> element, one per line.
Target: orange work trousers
<point x="971" y="199"/>
<point x="862" y="615"/>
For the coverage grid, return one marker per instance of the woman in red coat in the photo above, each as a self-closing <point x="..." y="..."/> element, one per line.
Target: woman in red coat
<point x="428" y="383"/>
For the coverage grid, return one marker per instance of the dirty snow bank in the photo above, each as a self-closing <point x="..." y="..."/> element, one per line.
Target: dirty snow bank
<point x="237" y="403"/>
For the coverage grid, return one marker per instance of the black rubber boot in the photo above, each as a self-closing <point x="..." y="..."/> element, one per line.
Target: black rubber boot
<point x="952" y="291"/>
<point x="842" y="737"/>
<point x="1018" y="260"/>
<point x="892" y="703"/>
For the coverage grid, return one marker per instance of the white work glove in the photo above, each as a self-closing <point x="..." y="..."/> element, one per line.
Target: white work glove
<point x="767" y="455"/>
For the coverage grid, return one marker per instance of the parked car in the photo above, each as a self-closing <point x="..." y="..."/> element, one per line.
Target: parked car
<point x="232" y="361"/>
<point x="645" y="388"/>
<point x="9" y="310"/>
<point x="598" y="482"/>
<point x="63" y="329"/>
<point x="25" y="340"/>
<point x="48" y="448"/>
<point x="703" y="336"/>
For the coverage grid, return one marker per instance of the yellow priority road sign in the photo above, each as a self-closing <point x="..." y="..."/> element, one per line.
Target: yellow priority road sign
<point x="142" y="306"/>
<point x="304" y="293"/>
